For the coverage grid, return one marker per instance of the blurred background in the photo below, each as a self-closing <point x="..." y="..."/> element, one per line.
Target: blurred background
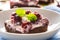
<point x="9" y="4"/>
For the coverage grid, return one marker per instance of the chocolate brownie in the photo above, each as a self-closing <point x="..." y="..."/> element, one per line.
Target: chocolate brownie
<point x="30" y="22"/>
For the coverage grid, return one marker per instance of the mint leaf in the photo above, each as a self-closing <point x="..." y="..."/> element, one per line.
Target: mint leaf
<point x="31" y="17"/>
<point x="20" y="12"/>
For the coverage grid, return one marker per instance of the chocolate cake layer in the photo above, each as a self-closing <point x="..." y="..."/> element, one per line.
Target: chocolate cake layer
<point x="42" y="27"/>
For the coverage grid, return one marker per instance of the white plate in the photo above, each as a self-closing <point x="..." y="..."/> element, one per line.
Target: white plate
<point x="54" y="21"/>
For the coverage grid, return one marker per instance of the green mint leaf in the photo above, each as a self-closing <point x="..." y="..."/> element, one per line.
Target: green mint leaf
<point x="20" y="12"/>
<point x="31" y="17"/>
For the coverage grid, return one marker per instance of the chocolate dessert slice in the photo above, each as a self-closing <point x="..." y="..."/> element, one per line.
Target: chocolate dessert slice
<point x="24" y="3"/>
<point x="27" y="22"/>
<point x="46" y="1"/>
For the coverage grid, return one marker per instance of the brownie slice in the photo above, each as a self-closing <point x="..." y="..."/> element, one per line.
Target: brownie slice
<point x="23" y="25"/>
<point x="41" y="28"/>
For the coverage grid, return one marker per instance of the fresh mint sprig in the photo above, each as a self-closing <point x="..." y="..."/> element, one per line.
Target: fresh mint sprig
<point x="20" y="12"/>
<point x="31" y="17"/>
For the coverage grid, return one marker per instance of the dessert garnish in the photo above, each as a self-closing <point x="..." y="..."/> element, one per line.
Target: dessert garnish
<point x="20" y="12"/>
<point x="32" y="17"/>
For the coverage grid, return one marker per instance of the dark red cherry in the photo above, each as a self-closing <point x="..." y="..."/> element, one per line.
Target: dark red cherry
<point x="23" y="24"/>
<point x="38" y="15"/>
<point x="17" y="18"/>
<point x="13" y="14"/>
<point x="27" y="12"/>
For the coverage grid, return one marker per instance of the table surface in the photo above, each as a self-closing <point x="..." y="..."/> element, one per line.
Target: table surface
<point x="4" y="5"/>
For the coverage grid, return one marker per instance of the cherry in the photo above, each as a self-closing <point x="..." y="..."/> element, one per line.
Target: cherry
<point x="13" y="14"/>
<point x="38" y="15"/>
<point x="17" y="18"/>
<point x="27" y="12"/>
